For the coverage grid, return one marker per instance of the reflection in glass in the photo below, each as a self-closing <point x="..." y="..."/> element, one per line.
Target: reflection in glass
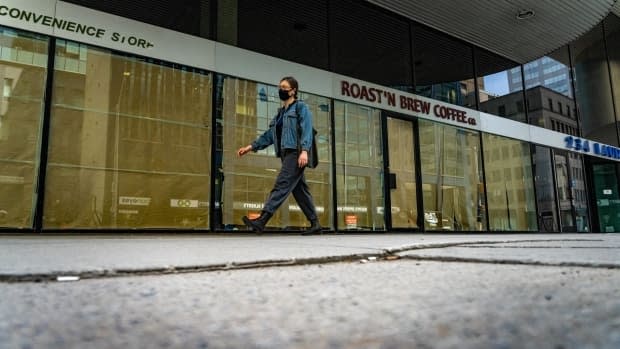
<point x="612" y="32"/>
<point x="549" y="92"/>
<point x="451" y="178"/>
<point x="444" y="68"/>
<point x="129" y="142"/>
<point x="500" y="89"/>
<point x="593" y="89"/>
<point x="551" y="105"/>
<point x="510" y="186"/>
<point x="244" y="183"/>
<point x="570" y="182"/>
<point x="564" y="191"/>
<point x="580" y="195"/>
<point x="545" y="193"/>
<point x="359" y="167"/>
<point x="23" y="62"/>
<point x="402" y="165"/>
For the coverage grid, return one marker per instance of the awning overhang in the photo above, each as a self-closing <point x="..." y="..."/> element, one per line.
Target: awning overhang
<point x="493" y="24"/>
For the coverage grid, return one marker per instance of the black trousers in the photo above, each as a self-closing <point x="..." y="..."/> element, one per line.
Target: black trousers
<point x="291" y="179"/>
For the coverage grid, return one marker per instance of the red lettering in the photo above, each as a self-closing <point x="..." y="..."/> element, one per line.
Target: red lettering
<point x="403" y="102"/>
<point x="437" y="111"/>
<point x="416" y="105"/>
<point x="364" y="94"/>
<point x="426" y="108"/>
<point x="453" y="114"/>
<point x="371" y="95"/>
<point x="355" y="91"/>
<point x="391" y="98"/>
<point x="344" y="89"/>
<point x="379" y="92"/>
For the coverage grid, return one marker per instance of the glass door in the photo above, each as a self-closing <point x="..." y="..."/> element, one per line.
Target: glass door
<point x="402" y="174"/>
<point x="607" y="197"/>
<point x="451" y="172"/>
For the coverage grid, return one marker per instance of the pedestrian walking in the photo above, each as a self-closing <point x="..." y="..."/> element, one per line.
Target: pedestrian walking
<point x="290" y="131"/>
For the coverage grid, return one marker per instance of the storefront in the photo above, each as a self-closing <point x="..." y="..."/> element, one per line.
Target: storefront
<point x="112" y="124"/>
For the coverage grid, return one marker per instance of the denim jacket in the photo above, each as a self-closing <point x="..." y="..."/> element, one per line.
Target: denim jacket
<point x="289" y="130"/>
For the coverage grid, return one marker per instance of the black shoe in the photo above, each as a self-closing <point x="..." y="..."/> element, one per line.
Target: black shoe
<point x="315" y="228"/>
<point x="257" y="225"/>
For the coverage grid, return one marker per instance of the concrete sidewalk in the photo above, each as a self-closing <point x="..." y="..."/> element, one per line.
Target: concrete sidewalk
<point x="43" y="257"/>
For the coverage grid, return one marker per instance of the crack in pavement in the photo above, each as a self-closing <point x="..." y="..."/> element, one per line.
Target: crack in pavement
<point x="385" y="254"/>
<point x="546" y="247"/>
<point x="512" y="261"/>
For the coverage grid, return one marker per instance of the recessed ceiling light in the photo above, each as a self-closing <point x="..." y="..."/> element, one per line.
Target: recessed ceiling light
<point x="525" y="14"/>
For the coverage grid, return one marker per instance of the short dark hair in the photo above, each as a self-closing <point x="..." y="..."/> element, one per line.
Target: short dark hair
<point x="293" y="82"/>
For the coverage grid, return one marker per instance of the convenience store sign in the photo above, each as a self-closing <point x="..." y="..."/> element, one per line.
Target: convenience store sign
<point x="36" y="18"/>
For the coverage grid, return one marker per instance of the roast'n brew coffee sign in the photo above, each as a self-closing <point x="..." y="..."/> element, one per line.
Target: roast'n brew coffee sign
<point x="402" y="102"/>
<point x="86" y="29"/>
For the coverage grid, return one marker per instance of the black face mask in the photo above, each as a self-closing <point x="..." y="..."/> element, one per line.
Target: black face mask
<point x="283" y="94"/>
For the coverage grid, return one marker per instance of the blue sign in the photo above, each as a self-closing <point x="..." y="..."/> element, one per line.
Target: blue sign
<point x="585" y="146"/>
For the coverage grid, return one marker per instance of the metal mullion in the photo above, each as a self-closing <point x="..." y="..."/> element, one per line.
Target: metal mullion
<point x="387" y="200"/>
<point x="45" y="136"/>
<point x="334" y="164"/>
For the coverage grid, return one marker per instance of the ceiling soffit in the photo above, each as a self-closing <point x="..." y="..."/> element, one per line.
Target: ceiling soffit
<point x="493" y="24"/>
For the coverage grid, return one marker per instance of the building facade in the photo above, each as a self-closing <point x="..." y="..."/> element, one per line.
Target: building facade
<point x="127" y="116"/>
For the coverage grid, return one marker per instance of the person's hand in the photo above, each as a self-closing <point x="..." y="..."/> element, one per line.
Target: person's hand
<point x="244" y="150"/>
<point x="303" y="159"/>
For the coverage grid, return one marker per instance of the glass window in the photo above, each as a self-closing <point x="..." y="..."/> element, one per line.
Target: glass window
<point x="243" y="184"/>
<point x="402" y="166"/>
<point x="612" y="31"/>
<point x="519" y="105"/>
<point x="499" y="86"/>
<point x="23" y="71"/>
<point x="444" y="68"/>
<point x="593" y="89"/>
<point x="577" y="214"/>
<point x="545" y="193"/>
<point x="509" y="211"/>
<point x="552" y="83"/>
<point x="370" y="44"/>
<point x="359" y="167"/>
<point x="451" y="178"/>
<point x="129" y="142"/>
